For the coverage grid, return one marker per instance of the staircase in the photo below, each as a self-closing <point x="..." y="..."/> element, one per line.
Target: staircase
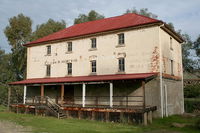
<point x="53" y="107"/>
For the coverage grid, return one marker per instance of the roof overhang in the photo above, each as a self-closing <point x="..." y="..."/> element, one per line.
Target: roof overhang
<point x="79" y="79"/>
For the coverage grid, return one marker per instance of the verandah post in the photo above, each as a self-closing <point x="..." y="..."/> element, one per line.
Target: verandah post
<point x="25" y="89"/>
<point x="83" y="95"/>
<point x="62" y="93"/>
<point x="41" y="93"/>
<point x="111" y="95"/>
<point x="143" y="86"/>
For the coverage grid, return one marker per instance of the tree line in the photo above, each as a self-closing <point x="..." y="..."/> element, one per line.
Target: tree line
<point x="19" y="31"/>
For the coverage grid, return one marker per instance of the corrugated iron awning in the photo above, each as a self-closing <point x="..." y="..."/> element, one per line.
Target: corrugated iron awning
<point x="84" y="78"/>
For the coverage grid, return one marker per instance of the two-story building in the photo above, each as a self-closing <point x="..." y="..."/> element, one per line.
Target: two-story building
<point x="129" y="64"/>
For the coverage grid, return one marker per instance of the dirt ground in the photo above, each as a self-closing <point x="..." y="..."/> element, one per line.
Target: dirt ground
<point x="8" y="127"/>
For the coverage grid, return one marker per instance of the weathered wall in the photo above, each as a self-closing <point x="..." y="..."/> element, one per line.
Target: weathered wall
<point x="175" y="99"/>
<point x="171" y="54"/>
<point x="140" y="45"/>
<point x="152" y="95"/>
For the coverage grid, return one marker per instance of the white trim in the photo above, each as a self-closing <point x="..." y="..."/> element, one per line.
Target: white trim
<point x="83" y="95"/>
<point x="166" y="102"/>
<point x="24" y="98"/>
<point x="161" y="81"/>
<point x="111" y="95"/>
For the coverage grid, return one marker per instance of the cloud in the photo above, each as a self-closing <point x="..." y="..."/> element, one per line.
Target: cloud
<point x="184" y="14"/>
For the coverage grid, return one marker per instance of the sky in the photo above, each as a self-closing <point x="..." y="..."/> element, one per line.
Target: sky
<point x="184" y="14"/>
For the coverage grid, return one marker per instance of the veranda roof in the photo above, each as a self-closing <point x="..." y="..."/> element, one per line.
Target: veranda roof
<point x="93" y="78"/>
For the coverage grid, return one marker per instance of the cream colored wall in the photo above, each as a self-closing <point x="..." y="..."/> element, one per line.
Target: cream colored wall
<point x="141" y="47"/>
<point x="168" y="54"/>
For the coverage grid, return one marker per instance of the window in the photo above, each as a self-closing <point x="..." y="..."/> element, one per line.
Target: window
<point x="94" y="66"/>
<point x="172" y="67"/>
<point x="93" y="43"/>
<point x="121" y="65"/>
<point x="69" y="47"/>
<point x="69" y="68"/>
<point x="49" y="50"/>
<point x="121" y="38"/>
<point x="48" y="70"/>
<point x="171" y="42"/>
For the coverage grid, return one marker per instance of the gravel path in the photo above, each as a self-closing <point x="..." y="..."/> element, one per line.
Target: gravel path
<point x="9" y="127"/>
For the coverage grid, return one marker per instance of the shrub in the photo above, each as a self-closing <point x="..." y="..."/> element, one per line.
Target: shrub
<point x="192" y="104"/>
<point x="192" y="91"/>
<point x="197" y="124"/>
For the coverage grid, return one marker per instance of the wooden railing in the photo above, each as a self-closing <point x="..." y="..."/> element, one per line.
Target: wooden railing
<point x="94" y="101"/>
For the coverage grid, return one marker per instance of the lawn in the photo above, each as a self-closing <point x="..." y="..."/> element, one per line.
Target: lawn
<point x="53" y="125"/>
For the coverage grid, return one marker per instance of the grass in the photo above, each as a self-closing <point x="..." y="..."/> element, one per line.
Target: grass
<point x="53" y="125"/>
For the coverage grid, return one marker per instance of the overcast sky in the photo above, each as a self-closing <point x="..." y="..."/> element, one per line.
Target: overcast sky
<point x="184" y="14"/>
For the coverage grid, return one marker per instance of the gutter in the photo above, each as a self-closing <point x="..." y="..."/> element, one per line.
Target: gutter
<point x="161" y="81"/>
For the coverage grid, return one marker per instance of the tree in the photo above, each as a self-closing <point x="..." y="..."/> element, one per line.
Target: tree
<point x="142" y="11"/>
<point x="18" y="32"/>
<point x="197" y="46"/>
<point x="47" y="28"/>
<point x="5" y="75"/>
<point x="92" y="15"/>
<point x="188" y="63"/>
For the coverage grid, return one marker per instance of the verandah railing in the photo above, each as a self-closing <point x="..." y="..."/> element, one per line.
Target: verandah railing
<point x="93" y="101"/>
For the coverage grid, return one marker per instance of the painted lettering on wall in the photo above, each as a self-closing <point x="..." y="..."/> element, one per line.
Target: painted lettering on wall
<point x="60" y="61"/>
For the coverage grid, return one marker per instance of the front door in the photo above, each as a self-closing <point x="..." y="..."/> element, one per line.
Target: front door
<point x="69" y="94"/>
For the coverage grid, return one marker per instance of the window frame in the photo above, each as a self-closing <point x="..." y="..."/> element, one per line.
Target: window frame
<point x="121" y="39"/>
<point x="172" y="67"/>
<point x="48" y="48"/>
<point x="121" y="64"/>
<point x="69" y="47"/>
<point x="48" y="70"/>
<point x="171" y="43"/>
<point x="93" y="66"/>
<point x="69" y="68"/>
<point x="93" y="43"/>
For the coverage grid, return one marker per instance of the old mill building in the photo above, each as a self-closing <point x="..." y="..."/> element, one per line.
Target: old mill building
<point x="129" y="66"/>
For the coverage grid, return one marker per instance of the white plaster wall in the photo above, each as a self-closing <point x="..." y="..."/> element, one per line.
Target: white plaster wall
<point x="138" y="52"/>
<point x="169" y="54"/>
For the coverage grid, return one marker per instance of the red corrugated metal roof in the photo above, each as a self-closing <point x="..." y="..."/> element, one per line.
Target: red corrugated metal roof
<point x="85" y="78"/>
<point x="107" y="24"/>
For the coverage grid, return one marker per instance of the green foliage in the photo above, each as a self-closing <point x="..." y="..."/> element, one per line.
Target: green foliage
<point x="192" y="91"/>
<point x="47" y="28"/>
<point x="18" y="32"/>
<point x="142" y="11"/>
<point x="197" y="124"/>
<point x="191" y="105"/>
<point x="197" y="46"/>
<point x="188" y="62"/>
<point x="92" y="15"/>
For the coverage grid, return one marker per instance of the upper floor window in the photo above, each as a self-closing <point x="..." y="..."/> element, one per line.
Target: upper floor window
<point x="69" y="47"/>
<point x="121" y="39"/>
<point x="69" y="68"/>
<point x="121" y="62"/>
<point x="93" y="43"/>
<point x="48" y="49"/>
<point x="48" y="70"/>
<point x="172" y="67"/>
<point x="171" y="43"/>
<point x="94" y="66"/>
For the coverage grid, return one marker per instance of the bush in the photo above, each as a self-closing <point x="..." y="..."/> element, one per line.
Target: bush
<point x="192" y="91"/>
<point x="197" y="124"/>
<point x="192" y="104"/>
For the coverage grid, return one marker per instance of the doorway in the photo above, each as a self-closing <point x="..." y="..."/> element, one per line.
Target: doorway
<point x="69" y="94"/>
